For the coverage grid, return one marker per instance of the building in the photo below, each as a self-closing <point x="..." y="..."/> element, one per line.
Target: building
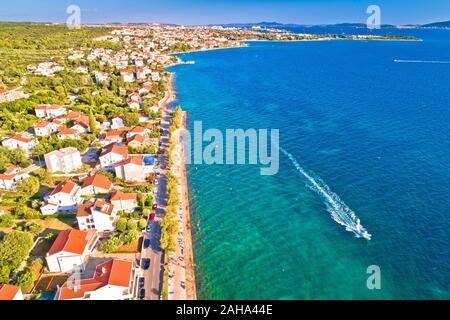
<point x="96" y="215"/>
<point x="132" y="169"/>
<point x="64" y="160"/>
<point x="128" y="75"/>
<point x="43" y="128"/>
<point x="12" y="176"/>
<point x="11" y="95"/>
<point x="112" y="280"/>
<point x="112" y="154"/>
<point x="68" y="133"/>
<point x="117" y="122"/>
<point x="49" y="111"/>
<point x="24" y="141"/>
<point x="70" y="250"/>
<point x="126" y="202"/>
<point x="10" y="292"/>
<point x="64" y="198"/>
<point x="96" y="184"/>
<point x="100" y="76"/>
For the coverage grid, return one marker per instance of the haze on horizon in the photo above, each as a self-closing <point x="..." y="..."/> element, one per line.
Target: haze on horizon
<point x="202" y="12"/>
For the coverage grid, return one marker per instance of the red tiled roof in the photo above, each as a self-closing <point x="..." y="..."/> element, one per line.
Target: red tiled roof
<point x="102" y="206"/>
<point x="64" y="187"/>
<point x="114" y="272"/>
<point x="21" y="138"/>
<point x="97" y="180"/>
<point x="67" y="131"/>
<point x="8" y="292"/>
<point x="73" y="241"/>
<point x="47" y="107"/>
<point x="115" y="148"/>
<point x="72" y="115"/>
<point x="137" y="160"/>
<point x="84" y="210"/>
<point x="41" y="124"/>
<point x="123" y="196"/>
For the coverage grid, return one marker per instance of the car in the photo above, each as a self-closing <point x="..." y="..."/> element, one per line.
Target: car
<point x="146" y="243"/>
<point x="145" y="264"/>
<point x="155" y="206"/>
<point x="142" y="294"/>
<point x="141" y="282"/>
<point x="149" y="228"/>
<point x="156" y="182"/>
<point x="152" y="216"/>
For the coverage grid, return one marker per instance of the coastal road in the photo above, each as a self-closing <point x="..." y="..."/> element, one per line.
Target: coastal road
<point x="154" y="275"/>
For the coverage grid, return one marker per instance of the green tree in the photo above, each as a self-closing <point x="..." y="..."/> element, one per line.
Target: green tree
<point x="92" y="123"/>
<point x="142" y="224"/>
<point x="121" y="225"/>
<point x="130" y="119"/>
<point x="25" y="279"/>
<point x="29" y="186"/>
<point x="131" y="225"/>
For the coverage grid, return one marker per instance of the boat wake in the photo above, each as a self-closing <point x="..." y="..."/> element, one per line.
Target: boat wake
<point x="421" y="61"/>
<point x="339" y="211"/>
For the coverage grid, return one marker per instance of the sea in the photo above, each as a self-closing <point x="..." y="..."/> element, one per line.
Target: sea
<point x="364" y="132"/>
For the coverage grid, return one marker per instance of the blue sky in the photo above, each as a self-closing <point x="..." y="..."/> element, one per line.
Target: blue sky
<point x="225" y="11"/>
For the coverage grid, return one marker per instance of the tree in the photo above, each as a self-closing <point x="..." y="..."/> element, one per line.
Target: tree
<point x="131" y="225"/>
<point x="146" y="213"/>
<point x="130" y="119"/>
<point x="142" y="224"/>
<point x="14" y="248"/>
<point x="29" y="186"/>
<point x="121" y="225"/>
<point x="25" y="279"/>
<point x="92" y="123"/>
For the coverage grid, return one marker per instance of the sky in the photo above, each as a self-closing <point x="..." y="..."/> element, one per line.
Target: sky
<point x="194" y="12"/>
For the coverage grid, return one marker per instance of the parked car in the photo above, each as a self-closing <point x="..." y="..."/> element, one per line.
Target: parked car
<point x="145" y="264"/>
<point x="141" y="282"/>
<point x="146" y="243"/>
<point x="155" y="206"/>
<point x="149" y="228"/>
<point x="152" y="216"/>
<point x="142" y="294"/>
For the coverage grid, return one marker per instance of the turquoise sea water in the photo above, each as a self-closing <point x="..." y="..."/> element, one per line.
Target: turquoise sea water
<point x="375" y="131"/>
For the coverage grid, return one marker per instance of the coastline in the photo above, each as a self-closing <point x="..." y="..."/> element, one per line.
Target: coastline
<point x="189" y="267"/>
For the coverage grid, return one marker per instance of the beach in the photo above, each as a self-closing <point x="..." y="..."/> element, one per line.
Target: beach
<point x="181" y="265"/>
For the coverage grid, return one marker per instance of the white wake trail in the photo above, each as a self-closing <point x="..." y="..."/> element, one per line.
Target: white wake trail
<point x="421" y="61"/>
<point x="339" y="211"/>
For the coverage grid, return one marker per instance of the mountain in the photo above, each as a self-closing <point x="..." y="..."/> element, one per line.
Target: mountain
<point x="443" y="24"/>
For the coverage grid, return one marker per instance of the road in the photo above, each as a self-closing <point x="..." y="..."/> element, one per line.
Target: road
<point x="154" y="275"/>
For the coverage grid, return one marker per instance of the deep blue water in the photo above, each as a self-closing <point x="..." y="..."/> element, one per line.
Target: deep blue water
<point x="374" y="131"/>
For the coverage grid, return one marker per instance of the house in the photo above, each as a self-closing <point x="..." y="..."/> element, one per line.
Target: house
<point x="10" y="292"/>
<point x="143" y="118"/>
<point x="96" y="214"/>
<point x="82" y="125"/>
<point x="43" y="128"/>
<point x="112" y="154"/>
<point x="96" y="184"/>
<point x="122" y="201"/>
<point x="112" y="280"/>
<point x="82" y="70"/>
<point x="12" y="176"/>
<point x="134" y="100"/>
<point x="49" y="111"/>
<point x="100" y="76"/>
<point x="24" y="141"/>
<point x="155" y="76"/>
<point x="136" y="141"/>
<point x="64" y="198"/>
<point x="72" y="116"/>
<point x="70" y="250"/>
<point x="138" y="130"/>
<point x="133" y="169"/>
<point x="146" y="88"/>
<point x="11" y="95"/>
<point x="68" y="133"/>
<point x="117" y="122"/>
<point x="114" y="136"/>
<point x="128" y="75"/>
<point x="64" y="160"/>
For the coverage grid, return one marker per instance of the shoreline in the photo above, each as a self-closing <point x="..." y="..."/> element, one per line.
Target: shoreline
<point x="184" y="226"/>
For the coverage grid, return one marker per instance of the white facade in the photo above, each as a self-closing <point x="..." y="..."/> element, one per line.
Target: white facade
<point x="64" y="160"/>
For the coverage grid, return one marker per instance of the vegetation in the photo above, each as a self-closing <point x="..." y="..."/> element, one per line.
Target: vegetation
<point x="14" y="248"/>
<point x="13" y="157"/>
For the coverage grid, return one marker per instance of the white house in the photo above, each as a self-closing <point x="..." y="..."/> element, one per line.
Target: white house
<point x="49" y="111"/>
<point x="10" y="292"/>
<point x="43" y="128"/>
<point x="155" y="76"/>
<point x="112" y="280"/>
<point x="132" y="169"/>
<point x="70" y="250"/>
<point x="112" y="154"/>
<point x="24" y="141"/>
<point x="117" y="122"/>
<point x="99" y="215"/>
<point x="68" y="133"/>
<point x="64" y="198"/>
<point x="122" y="201"/>
<point x="96" y="184"/>
<point x="64" y="160"/>
<point x="100" y="76"/>
<point x="11" y="176"/>
<point x="128" y="75"/>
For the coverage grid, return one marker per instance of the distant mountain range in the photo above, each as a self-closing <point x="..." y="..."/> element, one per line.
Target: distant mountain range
<point x="443" y="25"/>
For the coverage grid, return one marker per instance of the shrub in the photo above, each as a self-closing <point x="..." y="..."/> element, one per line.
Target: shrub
<point x="142" y="224"/>
<point x="131" y="225"/>
<point x="121" y="225"/>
